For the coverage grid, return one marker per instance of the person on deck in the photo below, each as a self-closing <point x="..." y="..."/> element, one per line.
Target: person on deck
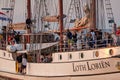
<point x="4" y="30"/>
<point x="89" y="41"/>
<point x="69" y="34"/>
<point x="17" y="38"/>
<point x="24" y="63"/>
<point x="28" y="24"/>
<point x="69" y="37"/>
<point x="93" y="37"/>
<point x="74" y="38"/>
<point x="65" y="41"/>
<point x="114" y="37"/>
<point x="19" y="61"/>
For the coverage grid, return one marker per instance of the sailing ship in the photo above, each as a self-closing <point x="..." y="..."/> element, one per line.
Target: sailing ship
<point x="66" y="63"/>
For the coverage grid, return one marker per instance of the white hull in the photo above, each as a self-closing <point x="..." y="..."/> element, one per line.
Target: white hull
<point x="93" y="69"/>
<point x="114" y="76"/>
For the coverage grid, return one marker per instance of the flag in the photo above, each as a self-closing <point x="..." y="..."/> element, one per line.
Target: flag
<point x="4" y="17"/>
<point x="118" y="32"/>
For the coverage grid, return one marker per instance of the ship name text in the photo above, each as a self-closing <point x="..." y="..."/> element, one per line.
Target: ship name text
<point x="88" y="66"/>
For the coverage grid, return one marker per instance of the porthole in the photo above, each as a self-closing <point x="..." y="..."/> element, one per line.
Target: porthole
<point x="97" y="54"/>
<point x="81" y="55"/>
<point x="70" y="56"/>
<point x="60" y="57"/>
<point x="111" y="52"/>
<point x="8" y="55"/>
<point x="4" y="54"/>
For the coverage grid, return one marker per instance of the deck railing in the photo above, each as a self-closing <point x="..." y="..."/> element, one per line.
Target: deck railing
<point x="79" y="45"/>
<point x="87" y="45"/>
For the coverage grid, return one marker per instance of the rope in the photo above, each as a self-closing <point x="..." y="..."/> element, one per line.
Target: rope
<point x="97" y="13"/>
<point x="12" y="5"/>
<point x="36" y="38"/>
<point x="40" y="46"/>
<point x="25" y="9"/>
<point x="55" y="24"/>
<point x="66" y="20"/>
<point x="103" y="14"/>
<point x="100" y="18"/>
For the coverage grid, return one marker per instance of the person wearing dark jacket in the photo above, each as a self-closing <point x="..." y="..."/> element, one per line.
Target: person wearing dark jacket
<point x="19" y="61"/>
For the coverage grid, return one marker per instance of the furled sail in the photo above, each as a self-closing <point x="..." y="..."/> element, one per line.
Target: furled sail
<point x="85" y="20"/>
<point x="50" y="18"/>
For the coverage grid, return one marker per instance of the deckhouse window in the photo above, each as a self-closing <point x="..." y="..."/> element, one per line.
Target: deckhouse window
<point x="111" y="52"/>
<point x="9" y="55"/>
<point x="60" y="57"/>
<point x="81" y="55"/>
<point x="96" y="54"/>
<point x="4" y="54"/>
<point x="69" y="56"/>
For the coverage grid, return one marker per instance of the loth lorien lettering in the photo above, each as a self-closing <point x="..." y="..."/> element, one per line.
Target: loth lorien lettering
<point x="88" y="66"/>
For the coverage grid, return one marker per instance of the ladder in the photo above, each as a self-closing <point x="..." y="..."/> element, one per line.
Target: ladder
<point x="109" y="13"/>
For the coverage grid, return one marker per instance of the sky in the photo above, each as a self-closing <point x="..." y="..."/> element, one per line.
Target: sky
<point x="19" y="15"/>
<point x="116" y="10"/>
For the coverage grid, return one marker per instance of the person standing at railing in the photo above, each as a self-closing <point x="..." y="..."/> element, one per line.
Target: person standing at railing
<point x="65" y="41"/>
<point x="9" y="39"/>
<point x="28" y="25"/>
<point x="19" y="61"/>
<point x="24" y="63"/>
<point x="114" y="37"/>
<point x="79" y="42"/>
<point x="4" y="32"/>
<point x="69" y="37"/>
<point x="93" y="37"/>
<point x="98" y="34"/>
<point x="83" y="39"/>
<point x="105" y="39"/>
<point x="1" y="38"/>
<point x="110" y="40"/>
<point x="89" y="41"/>
<point x="74" y="38"/>
<point x="17" y="38"/>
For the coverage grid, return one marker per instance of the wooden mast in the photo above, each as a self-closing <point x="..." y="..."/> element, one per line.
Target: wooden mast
<point x="28" y="17"/>
<point x="29" y="8"/>
<point x="29" y="14"/>
<point x="61" y="22"/>
<point x="93" y="14"/>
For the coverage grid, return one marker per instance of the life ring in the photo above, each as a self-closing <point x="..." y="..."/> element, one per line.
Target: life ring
<point x="97" y="54"/>
<point x="111" y="52"/>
